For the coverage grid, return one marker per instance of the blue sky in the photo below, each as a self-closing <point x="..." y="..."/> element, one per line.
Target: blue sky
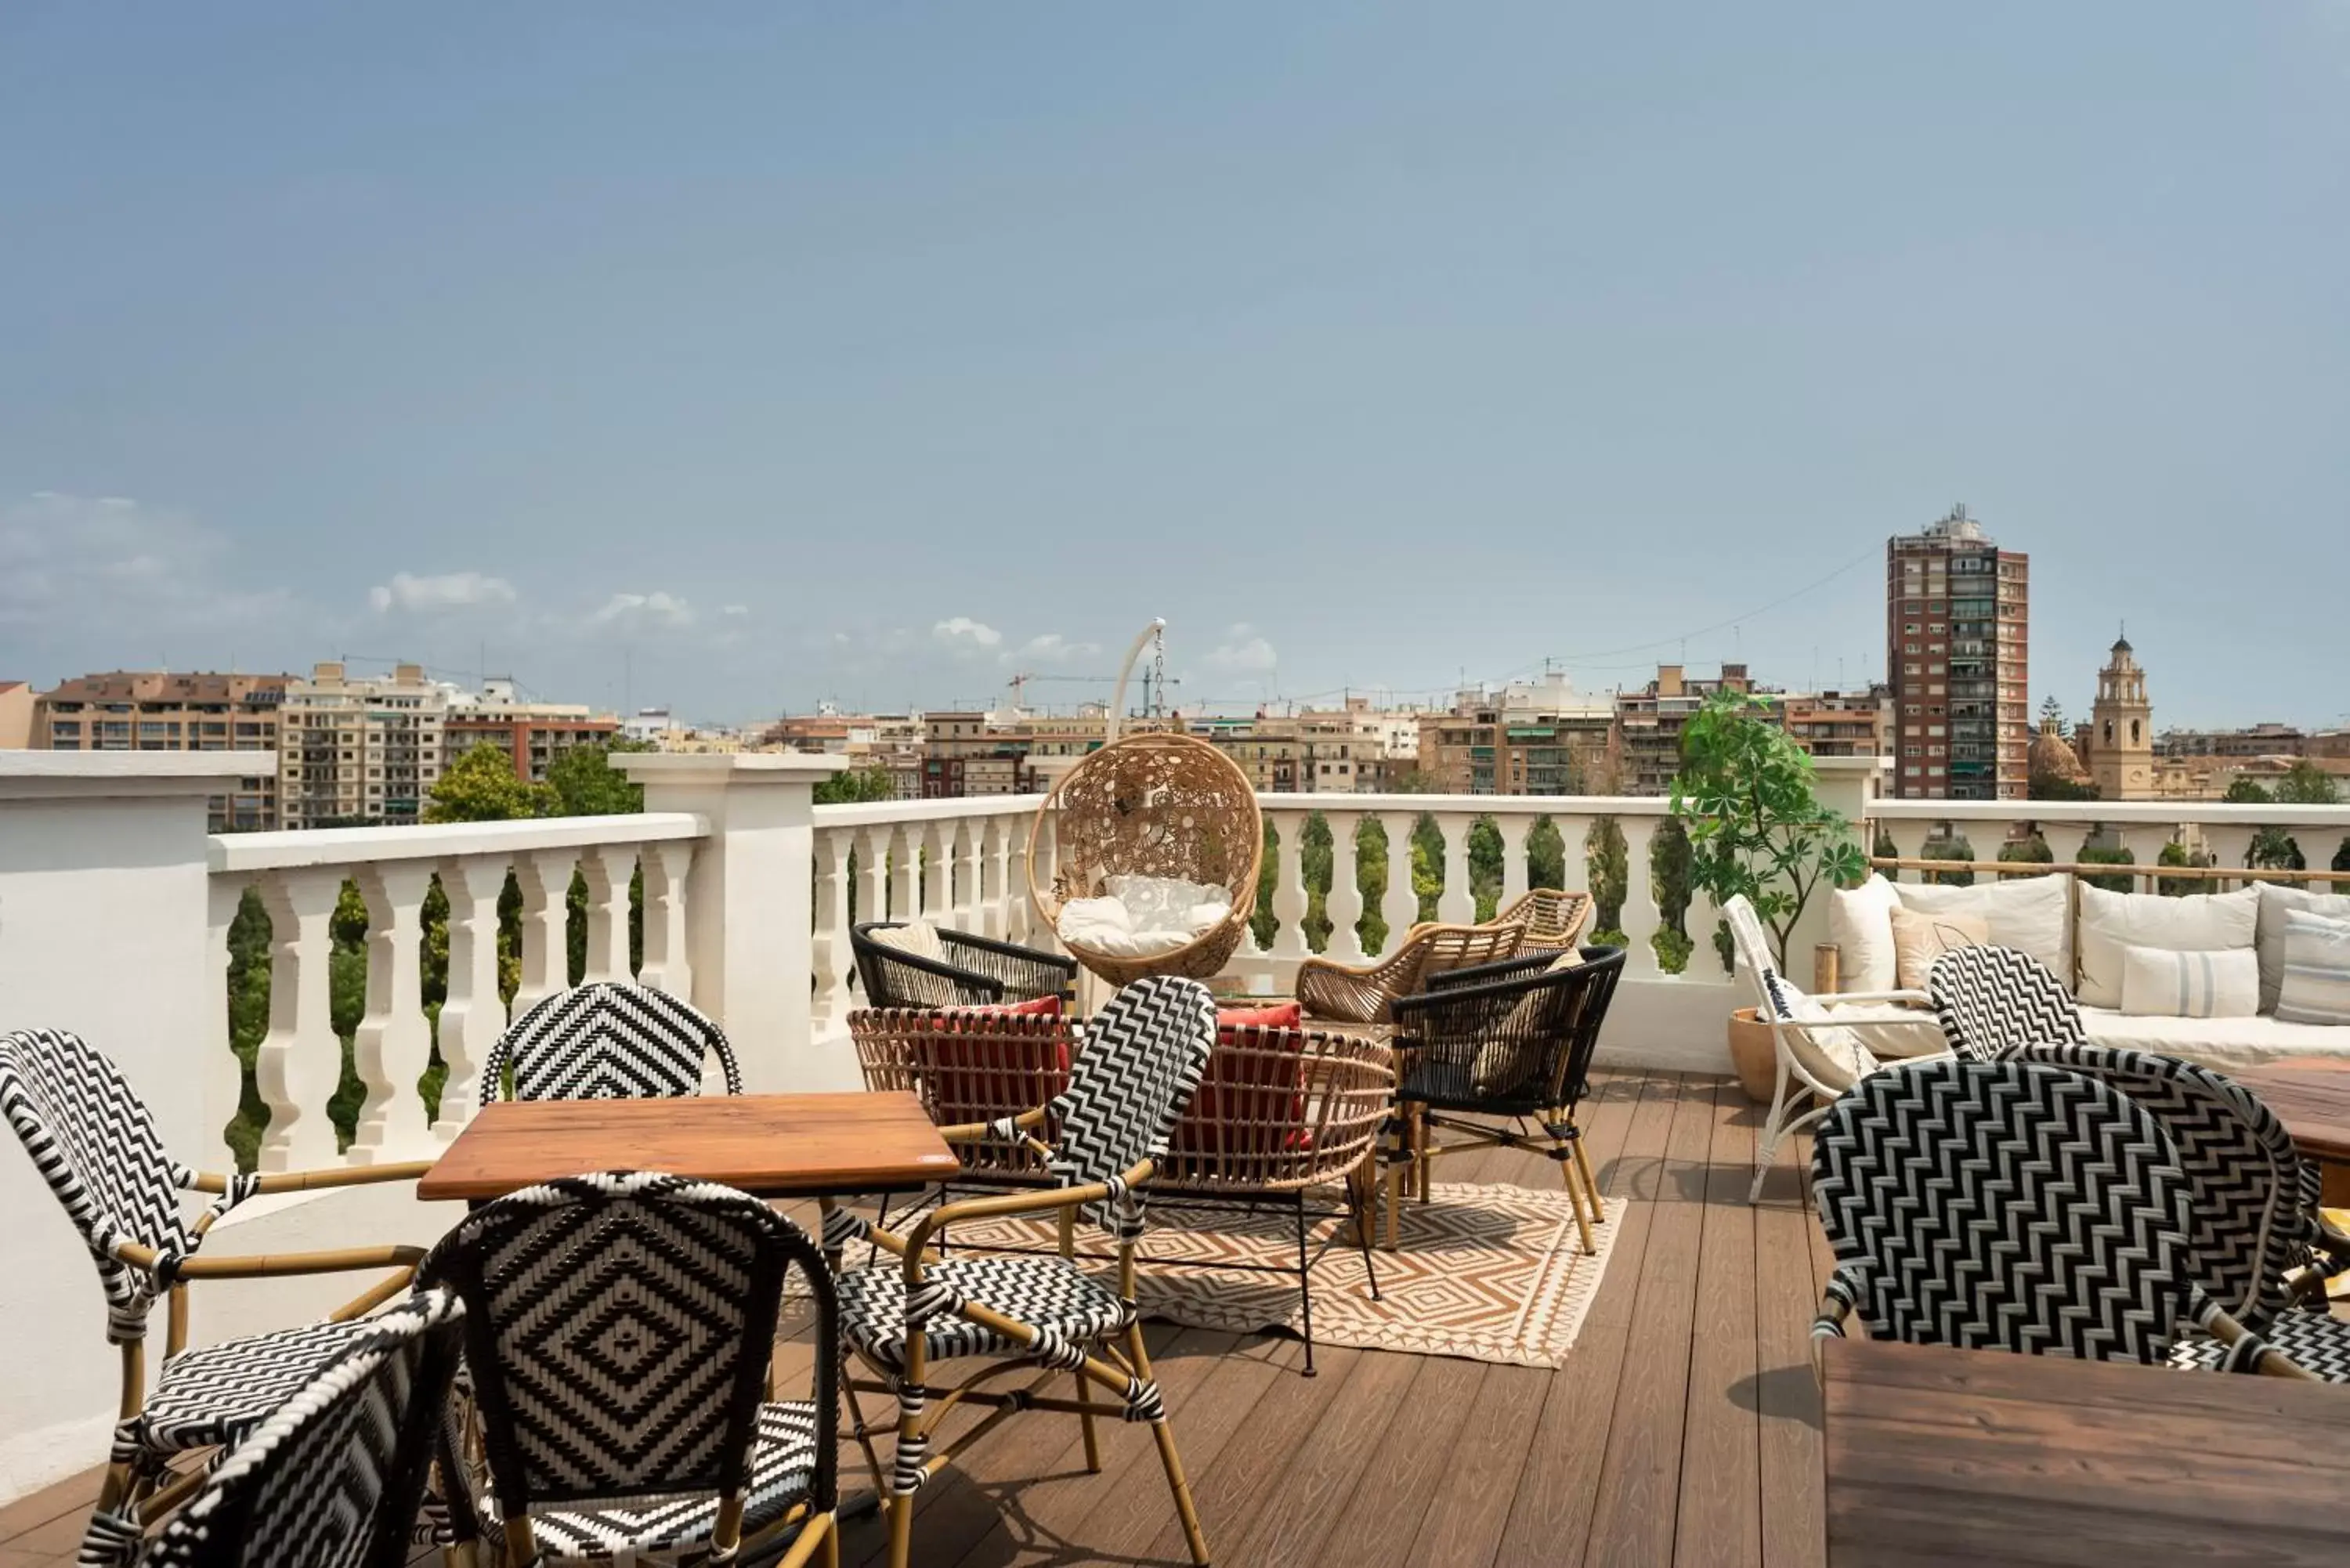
<point x="742" y="355"/>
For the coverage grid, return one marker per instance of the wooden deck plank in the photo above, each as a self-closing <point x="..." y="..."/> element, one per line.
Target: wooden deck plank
<point x="1639" y="1476"/>
<point x="1550" y="1517"/>
<point x="1321" y="1474"/>
<point x="1721" y="1482"/>
<point x="1479" y="1472"/>
<point x="1786" y="1293"/>
<point x="1395" y="1487"/>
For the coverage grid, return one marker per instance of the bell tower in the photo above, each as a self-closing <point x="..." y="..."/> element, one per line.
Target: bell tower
<point x="2121" y="723"/>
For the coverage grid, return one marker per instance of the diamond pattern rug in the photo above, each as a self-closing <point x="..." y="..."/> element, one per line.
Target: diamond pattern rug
<point x="1485" y="1274"/>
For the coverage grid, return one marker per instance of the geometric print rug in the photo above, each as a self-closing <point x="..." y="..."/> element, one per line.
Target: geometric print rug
<point x="1482" y="1273"/>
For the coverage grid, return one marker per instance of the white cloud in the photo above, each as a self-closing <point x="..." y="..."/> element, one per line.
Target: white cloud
<point x="735" y="610"/>
<point x="451" y="590"/>
<point x="642" y="612"/>
<point x="1050" y="648"/>
<point x="965" y="635"/>
<point x="1242" y="653"/>
<point x="110" y="566"/>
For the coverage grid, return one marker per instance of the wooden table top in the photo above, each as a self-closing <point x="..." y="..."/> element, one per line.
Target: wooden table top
<point x="2312" y="1097"/>
<point x="775" y="1145"/>
<point x="1944" y="1456"/>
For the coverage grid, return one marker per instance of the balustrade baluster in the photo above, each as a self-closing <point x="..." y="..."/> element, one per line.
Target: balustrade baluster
<point x="993" y="879"/>
<point x="1289" y="887"/>
<point x="872" y="875"/>
<point x="1401" y="902"/>
<point x="473" y="1015"/>
<point x="829" y="952"/>
<point x="968" y="864"/>
<point x="1575" y="854"/>
<point x="300" y="1061"/>
<point x="544" y="877"/>
<point x="606" y="869"/>
<point x="1457" y="905"/>
<point x="1345" y="903"/>
<point x="2230" y="846"/>
<point x="1514" y="830"/>
<point x="938" y="873"/>
<point x="394" y="1042"/>
<point x="223" y="1073"/>
<point x="1019" y="913"/>
<point x="666" y="966"/>
<point x="1641" y="919"/>
<point x="905" y="874"/>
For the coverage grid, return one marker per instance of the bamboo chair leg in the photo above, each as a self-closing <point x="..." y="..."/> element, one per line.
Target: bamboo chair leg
<point x="1590" y="1183"/>
<point x="910" y="1429"/>
<point x="1422" y="1171"/>
<point x="856" y="1426"/>
<point x="1172" y="1462"/>
<point x="1085" y="1398"/>
<point x="1567" y="1175"/>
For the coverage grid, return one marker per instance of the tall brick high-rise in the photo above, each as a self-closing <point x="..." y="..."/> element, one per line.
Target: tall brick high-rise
<point x="1956" y="618"/>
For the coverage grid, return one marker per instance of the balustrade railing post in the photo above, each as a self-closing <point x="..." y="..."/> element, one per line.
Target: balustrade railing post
<point x="1289" y="887"/>
<point x="666" y="967"/>
<point x="831" y="956"/>
<point x="223" y="1075"/>
<point x="905" y="874"/>
<point x="1400" y="903"/>
<point x="1514" y="828"/>
<point x="473" y="1014"/>
<point x="749" y="925"/>
<point x="1641" y="918"/>
<point x="937" y="853"/>
<point x="300" y="1061"/>
<point x="606" y="869"/>
<point x="1457" y="905"/>
<point x="1345" y="903"/>
<point x="544" y="877"/>
<point x="394" y="1042"/>
<point x="995" y="890"/>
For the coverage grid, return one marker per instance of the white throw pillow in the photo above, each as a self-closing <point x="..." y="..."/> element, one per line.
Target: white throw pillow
<point x="918" y="938"/>
<point x="1860" y="924"/>
<point x="2316" y="970"/>
<point x="2202" y="922"/>
<point x="1918" y="938"/>
<point x="2160" y="983"/>
<point x="1171" y="903"/>
<point x="1831" y="1053"/>
<point x="2031" y="914"/>
<point x="2269" y="937"/>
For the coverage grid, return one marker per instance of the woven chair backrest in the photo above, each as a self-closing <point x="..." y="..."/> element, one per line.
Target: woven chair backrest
<point x="332" y="1479"/>
<point x="607" y="1041"/>
<point x="1464" y="947"/>
<point x="2005" y="1206"/>
<point x="617" y="1328"/>
<point x="93" y="1141"/>
<point x="1143" y="1056"/>
<point x="891" y="981"/>
<point x="1990" y="999"/>
<point x="1522" y="1045"/>
<point x="2254" y="1199"/>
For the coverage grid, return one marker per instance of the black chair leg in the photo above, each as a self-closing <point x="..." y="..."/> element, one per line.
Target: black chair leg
<point x="1358" y="1200"/>
<point x="1304" y="1283"/>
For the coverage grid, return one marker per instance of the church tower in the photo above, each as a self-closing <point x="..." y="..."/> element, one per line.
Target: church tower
<point x="2121" y="725"/>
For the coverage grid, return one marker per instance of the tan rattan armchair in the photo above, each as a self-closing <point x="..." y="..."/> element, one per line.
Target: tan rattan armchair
<point x="1346" y="994"/>
<point x="1554" y="921"/>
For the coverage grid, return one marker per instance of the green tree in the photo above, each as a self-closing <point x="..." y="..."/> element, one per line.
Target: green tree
<point x="1954" y="847"/>
<point x="586" y="784"/>
<point x="481" y="786"/>
<point x="1756" y="827"/>
<point x="2177" y="854"/>
<point x="2109" y="855"/>
<point x="857" y="786"/>
<point x="2032" y="851"/>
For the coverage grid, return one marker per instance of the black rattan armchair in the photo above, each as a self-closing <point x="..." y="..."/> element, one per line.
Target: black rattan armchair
<point x="975" y="972"/>
<point x="1512" y="1039"/>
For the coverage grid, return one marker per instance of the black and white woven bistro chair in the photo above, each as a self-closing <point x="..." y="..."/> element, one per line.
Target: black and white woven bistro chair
<point x="970" y="971"/>
<point x="1511" y="1041"/>
<point x="333" y="1478"/>
<point x="1991" y="999"/>
<point x="607" y="1040"/>
<point x="94" y="1142"/>
<point x="618" y="1328"/>
<point x="2010" y="1205"/>
<point x="2256" y="1237"/>
<point x="1819" y="1052"/>
<point x="1142" y="1057"/>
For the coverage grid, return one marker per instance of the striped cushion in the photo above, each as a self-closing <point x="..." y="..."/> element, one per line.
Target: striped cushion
<point x="2316" y="969"/>
<point x="2158" y="984"/>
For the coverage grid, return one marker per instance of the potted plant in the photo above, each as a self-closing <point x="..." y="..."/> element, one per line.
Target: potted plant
<point x="1745" y="796"/>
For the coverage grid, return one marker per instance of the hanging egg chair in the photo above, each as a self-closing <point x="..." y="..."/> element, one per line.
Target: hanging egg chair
<point x="1156" y="842"/>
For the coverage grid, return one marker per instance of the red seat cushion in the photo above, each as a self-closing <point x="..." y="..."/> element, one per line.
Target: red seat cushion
<point x="980" y="1072"/>
<point x="1264" y="1082"/>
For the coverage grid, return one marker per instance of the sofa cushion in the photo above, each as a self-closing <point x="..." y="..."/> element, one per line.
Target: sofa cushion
<point x="2220" y="1043"/>
<point x="980" y="1070"/>
<point x="2160" y="983"/>
<point x="2269" y="936"/>
<point x="1918" y="938"/>
<point x="918" y="938"/>
<point x="1860" y="924"/>
<point x="2031" y="914"/>
<point x="1255" y="1075"/>
<point x="2316" y="970"/>
<point x="2203" y="922"/>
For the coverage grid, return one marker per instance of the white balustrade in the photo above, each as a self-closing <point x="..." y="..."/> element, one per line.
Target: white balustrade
<point x="300" y="877"/>
<point x="1344" y="905"/>
<point x="2144" y="827"/>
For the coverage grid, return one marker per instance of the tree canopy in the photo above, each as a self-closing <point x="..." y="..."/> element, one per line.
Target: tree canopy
<point x="481" y="786"/>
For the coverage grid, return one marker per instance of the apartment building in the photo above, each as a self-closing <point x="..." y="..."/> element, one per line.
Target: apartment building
<point x="1648" y="723"/>
<point x="1525" y="739"/>
<point x="359" y="751"/>
<point x="134" y="710"/>
<point x="1957" y="636"/>
<point x="534" y="734"/>
<point x="1839" y="724"/>
<point x="16" y="715"/>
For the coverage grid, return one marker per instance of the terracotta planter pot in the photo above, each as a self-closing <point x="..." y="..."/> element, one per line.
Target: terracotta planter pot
<point x="1754" y="1055"/>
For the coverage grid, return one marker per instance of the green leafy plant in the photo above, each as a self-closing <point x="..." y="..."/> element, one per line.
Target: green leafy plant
<point x="1745" y="794"/>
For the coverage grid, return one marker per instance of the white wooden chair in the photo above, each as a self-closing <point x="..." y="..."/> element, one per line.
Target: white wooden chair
<point x="1820" y="1052"/>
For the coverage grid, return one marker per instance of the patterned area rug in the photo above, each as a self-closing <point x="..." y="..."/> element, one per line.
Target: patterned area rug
<point x="1485" y="1274"/>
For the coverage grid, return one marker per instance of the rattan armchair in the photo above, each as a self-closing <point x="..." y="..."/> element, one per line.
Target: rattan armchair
<point x="975" y="972"/>
<point x="94" y="1142"/>
<point x="1347" y="994"/>
<point x="1552" y="920"/>
<point x="1511" y="1041"/>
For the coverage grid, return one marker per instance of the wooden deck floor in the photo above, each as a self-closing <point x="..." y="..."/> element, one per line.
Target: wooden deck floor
<point x="1684" y="1430"/>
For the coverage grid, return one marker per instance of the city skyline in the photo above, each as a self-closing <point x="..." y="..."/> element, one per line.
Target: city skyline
<point x="642" y="358"/>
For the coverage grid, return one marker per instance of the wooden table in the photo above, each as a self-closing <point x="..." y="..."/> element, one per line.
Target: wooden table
<point x="2313" y="1100"/>
<point x="775" y="1145"/>
<point x="1945" y="1457"/>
